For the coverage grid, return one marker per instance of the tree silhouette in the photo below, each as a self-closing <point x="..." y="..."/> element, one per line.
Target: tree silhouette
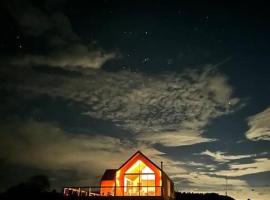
<point x="200" y="196"/>
<point x="35" y="184"/>
<point x="40" y="183"/>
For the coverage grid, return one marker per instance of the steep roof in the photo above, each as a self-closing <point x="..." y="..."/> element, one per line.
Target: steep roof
<point x="140" y="153"/>
<point x="135" y="154"/>
<point x="109" y="174"/>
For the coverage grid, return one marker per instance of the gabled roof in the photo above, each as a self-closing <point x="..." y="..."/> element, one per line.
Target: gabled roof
<point x="135" y="154"/>
<point x="109" y="174"/>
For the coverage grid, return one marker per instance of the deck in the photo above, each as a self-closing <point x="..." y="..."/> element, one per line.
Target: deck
<point x="116" y="197"/>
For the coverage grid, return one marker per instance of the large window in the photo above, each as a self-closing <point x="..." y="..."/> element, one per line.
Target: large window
<point x="139" y="180"/>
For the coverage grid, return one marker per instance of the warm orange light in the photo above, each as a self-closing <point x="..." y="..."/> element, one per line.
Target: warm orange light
<point x="117" y="174"/>
<point x="107" y="188"/>
<point x="138" y="177"/>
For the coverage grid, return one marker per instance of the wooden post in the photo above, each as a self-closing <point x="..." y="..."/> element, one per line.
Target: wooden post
<point x="114" y="187"/>
<point x="161" y="166"/>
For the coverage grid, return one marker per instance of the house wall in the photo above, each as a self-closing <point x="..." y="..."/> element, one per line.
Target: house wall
<point x="167" y="187"/>
<point x="163" y="185"/>
<point x="121" y="172"/>
<point x="107" y="188"/>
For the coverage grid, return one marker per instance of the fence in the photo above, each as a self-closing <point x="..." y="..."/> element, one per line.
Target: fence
<point x="113" y="191"/>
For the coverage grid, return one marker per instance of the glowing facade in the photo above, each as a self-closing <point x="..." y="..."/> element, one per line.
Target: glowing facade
<point x="138" y="176"/>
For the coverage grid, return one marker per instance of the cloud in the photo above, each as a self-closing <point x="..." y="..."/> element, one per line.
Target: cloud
<point x="259" y="165"/>
<point x="210" y="167"/>
<point x="244" y="193"/>
<point x="71" y="58"/>
<point x="42" y="21"/>
<point x="259" y="126"/>
<point x="46" y="146"/>
<point x="33" y="21"/>
<point x="173" y="138"/>
<point x="152" y="107"/>
<point x="221" y="157"/>
<point x="201" y="180"/>
<point x="52" y="31"/>
<point x="236" y="188"/>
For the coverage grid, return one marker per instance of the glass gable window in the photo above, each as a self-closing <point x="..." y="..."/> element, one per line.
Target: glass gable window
<point x="139" y="180"/>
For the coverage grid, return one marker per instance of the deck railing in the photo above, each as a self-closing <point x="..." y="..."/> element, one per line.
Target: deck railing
<point x="113" y="191"/>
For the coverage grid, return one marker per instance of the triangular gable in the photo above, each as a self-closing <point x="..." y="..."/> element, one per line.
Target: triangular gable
<point x="120" y="174"/>
<point x="139" y="156"/>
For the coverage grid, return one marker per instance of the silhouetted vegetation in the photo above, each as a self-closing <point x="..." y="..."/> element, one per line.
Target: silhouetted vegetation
<point x="200" y="196"/>
<point x="38" y="188"/>
<point x="36" y="184"/>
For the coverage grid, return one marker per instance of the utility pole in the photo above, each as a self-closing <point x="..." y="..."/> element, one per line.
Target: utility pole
<point x="226" y="187"/>
<point x="161" y="166"/>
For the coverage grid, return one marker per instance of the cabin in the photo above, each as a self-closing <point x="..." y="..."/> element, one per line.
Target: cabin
<point x="137" y="177"/>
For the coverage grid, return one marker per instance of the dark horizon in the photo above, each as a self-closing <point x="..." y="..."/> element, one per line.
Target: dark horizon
<point x="85" y="84"/>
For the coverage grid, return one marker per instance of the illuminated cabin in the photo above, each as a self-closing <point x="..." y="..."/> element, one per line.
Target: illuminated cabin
<point x="138" y="176"/>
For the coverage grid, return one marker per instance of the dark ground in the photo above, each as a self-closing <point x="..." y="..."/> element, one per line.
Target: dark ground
<point x="38" y="188"/>
<point x="58" y="196"/>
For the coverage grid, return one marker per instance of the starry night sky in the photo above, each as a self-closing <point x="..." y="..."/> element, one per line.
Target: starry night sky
<point x="86" y="84"/>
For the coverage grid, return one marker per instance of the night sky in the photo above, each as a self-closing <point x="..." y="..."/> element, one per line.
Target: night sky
<point x="86" y="84"/>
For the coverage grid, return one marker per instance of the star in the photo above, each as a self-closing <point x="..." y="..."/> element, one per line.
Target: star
<point x="146" y="60"/>
<point x="179" y="12"/>
<point x="169" y="61"/>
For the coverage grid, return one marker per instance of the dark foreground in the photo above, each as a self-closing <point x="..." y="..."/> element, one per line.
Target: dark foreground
<point x="57" y="196"/>
<point x="38" y="188"/>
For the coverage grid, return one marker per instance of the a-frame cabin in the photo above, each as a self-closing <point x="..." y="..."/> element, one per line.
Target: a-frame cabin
<point x="138" y="176"/>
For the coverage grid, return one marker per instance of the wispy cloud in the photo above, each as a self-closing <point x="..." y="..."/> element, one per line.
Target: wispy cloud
<point x="71" y="58"/>
<point x="201" y="182"/>
<point x="215" y="181"/>
<point x="249" y="192"/>
<point x="222" y="157"/>
<point x="154" y="107"/>
<point x="259" y="165"/>
<point x="174" y="138"/>
<point x="259" y="126"/>
<point x="47" y="146"/>
<point x="61" y="45"/>
<point x="210" y="167"/>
